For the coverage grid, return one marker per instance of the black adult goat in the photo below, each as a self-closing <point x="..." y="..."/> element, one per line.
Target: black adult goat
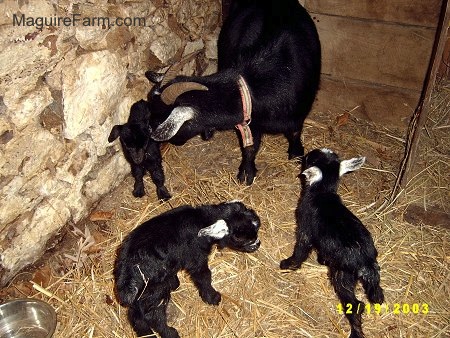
<point x="269" y="69"/>
<point x="340" y="239"/>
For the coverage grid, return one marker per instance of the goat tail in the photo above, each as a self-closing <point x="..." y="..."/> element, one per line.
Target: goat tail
<point x="370" y="278"/>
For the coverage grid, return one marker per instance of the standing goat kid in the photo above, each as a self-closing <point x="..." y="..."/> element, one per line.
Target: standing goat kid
<point x="342" y="242"/>
<point x="149" y="258"/>
<point x="142" y="153"/>
<point x="269" y="67"/>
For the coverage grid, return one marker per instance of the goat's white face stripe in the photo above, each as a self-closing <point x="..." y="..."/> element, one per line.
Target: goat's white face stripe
<point x="326" y="151"/>
<point x="313" y="175"/>
<point x="234" y="201"/>
<point x="173" y="123"/>
<point x="217" y="230"/>
<point x="256" y="242"/>
<point x="351" y="165"/>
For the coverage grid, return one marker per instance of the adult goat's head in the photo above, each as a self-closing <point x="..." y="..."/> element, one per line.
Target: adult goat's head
<point x="169" y="114"/>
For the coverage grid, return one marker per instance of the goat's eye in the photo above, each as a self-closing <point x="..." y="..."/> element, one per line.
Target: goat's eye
<point x="236" y="238"/>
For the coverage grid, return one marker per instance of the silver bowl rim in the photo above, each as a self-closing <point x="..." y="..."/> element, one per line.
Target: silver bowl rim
<point x="51" y="310"/>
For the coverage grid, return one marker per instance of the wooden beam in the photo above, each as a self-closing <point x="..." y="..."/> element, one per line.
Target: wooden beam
<point x="406" y="12"/>
<point x="421" y="113"/>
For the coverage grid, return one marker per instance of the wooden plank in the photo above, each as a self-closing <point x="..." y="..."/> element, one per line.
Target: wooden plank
<point x="381" y="53"/>
<point x="383" y="105"/>
<point x="421" y="113"/>
<point x="410" y="12"/>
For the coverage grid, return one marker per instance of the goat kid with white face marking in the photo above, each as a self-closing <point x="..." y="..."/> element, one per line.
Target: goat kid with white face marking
<point x="269" y="67"/>
<point x="150" y="256"/>
<point x="341" y="241"/>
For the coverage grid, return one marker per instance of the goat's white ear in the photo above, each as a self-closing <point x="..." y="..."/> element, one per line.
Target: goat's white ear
<point x="173" y="123"/>
<point x="351" y="165"/>
<point x="216" y="230"/>
<point x="313" y="175"/>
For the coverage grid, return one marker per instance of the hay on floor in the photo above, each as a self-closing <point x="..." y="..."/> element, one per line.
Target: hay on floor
<point x="258" y="299"/>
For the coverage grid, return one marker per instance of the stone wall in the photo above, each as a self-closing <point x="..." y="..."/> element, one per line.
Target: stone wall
<point x="62" y="87"/>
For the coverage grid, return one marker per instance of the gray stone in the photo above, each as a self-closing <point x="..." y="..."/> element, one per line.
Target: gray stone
<point x="31" y="236"/>
<point x="108" y="175"/>
<point x="28" y="107"/>
<point x="92" y="86"/>
<point x="61" y="91"/>
<point x="165" y="47"/>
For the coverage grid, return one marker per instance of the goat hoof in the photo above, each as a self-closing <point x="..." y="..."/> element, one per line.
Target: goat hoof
<point x="174" y="283"/>
<point x="139" y="192"/>
<point x="163" y="194"/>
<point x="207" y="134"/>
<point x="241" y="176"/>
<point x="212" y="298"/>
<point x="171" y="333"/>
<point x="244" y="177"/>
<point x="288" y="263"/>
<point x="296" y="152"/>
<point x="356" y="334"/>
<point x="295" y="157"/>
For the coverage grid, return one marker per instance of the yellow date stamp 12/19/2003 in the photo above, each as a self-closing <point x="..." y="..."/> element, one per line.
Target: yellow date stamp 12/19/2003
<point x="379" y="309"/>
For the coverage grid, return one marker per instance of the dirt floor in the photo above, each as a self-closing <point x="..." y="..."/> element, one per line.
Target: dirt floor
<point x="259" y="299"/>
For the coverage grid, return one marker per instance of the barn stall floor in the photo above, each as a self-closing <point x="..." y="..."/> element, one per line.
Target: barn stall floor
<point x="258" y="299"/>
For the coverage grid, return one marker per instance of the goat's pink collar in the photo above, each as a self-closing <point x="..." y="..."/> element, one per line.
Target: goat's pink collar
<point x="243" y="127"/>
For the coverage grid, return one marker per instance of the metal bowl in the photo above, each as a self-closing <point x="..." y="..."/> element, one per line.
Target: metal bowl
<point x="27" y="318"/>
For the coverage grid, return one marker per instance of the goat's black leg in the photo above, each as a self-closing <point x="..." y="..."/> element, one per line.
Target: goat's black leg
<point x="137" y="171"/>
<point x="302" y="249"/>
<point x="295" y="149"/>
<point x="201" y="276"/>
<point x="247" y="169"/>
<point x="154" y="319"/>
<point x="138" y="321"/>
<point x="154" y="166"/>
<point x="370" y="279"/>
<point x="159" y="322"/>
<point x="174" y="283"/>
<point x="148" y="312"/>
<point x="344" y="285"/>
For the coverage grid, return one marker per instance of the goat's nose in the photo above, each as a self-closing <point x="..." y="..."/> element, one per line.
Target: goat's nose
<point x="255" y="245"/>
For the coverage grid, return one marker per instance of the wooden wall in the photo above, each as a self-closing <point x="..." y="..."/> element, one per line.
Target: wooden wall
<point x="375" y="54"/>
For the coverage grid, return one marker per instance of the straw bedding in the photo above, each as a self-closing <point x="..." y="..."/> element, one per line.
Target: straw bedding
<point x="258" y="299"/>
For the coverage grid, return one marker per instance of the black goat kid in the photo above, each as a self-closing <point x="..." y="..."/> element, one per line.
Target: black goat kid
<point x="181" y="239"/>
<point x="342" y="242"/>
<point x="269" y="68"/>
<point x="142" y="153"/>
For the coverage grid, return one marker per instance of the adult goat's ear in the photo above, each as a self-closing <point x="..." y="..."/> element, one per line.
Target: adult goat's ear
<point x="312" y="175"/>
<point x="115" y="132"/>
<point x="351" y="165"/>
<point x="173" y="123"/>
<point x="217" y="230"/>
